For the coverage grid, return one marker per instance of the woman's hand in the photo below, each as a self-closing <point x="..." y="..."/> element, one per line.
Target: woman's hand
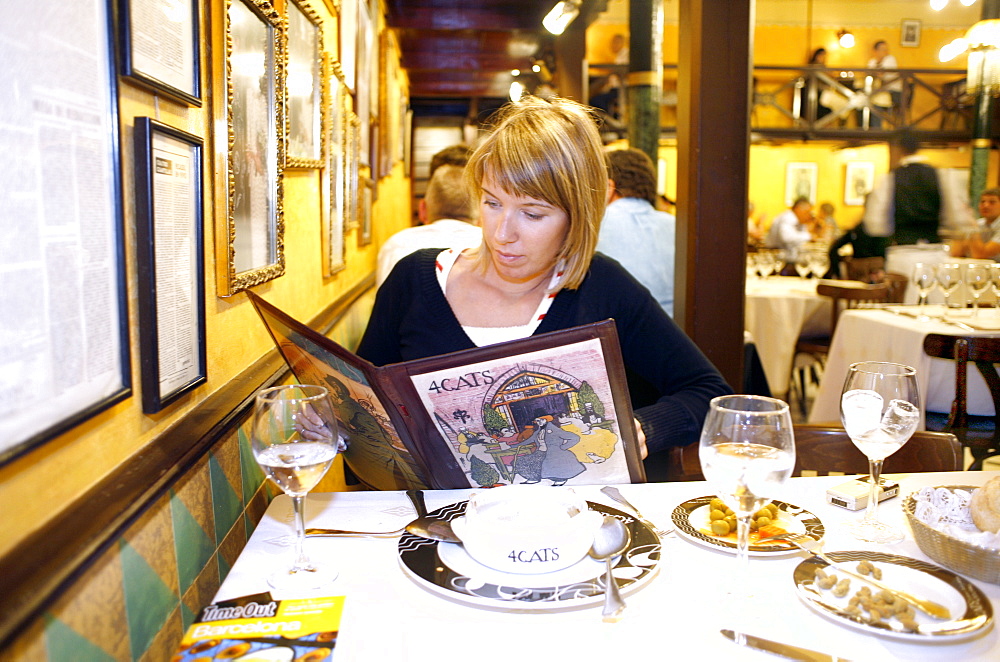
<point x="641" y="438"/>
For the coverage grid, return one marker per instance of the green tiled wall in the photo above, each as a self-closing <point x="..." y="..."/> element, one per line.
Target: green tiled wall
<point x="135" y="602"/>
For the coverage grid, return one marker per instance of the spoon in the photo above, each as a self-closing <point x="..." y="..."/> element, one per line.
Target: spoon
<point x="610" y="540"/>
<point x="428" y="527"/>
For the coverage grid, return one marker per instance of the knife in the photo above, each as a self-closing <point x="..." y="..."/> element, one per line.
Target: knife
<point x="778" y="648"/>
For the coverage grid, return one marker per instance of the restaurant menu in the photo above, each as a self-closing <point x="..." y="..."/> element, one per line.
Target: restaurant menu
<point x="258" y="628"/>
<point x="551" y="409"/>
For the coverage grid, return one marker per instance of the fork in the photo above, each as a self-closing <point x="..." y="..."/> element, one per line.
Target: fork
<point x="617" y="496"/>
<point x="927" y="606"/>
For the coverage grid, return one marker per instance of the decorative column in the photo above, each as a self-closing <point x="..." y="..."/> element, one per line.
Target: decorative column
<point x="644" y="84"/>
<point x="983" y="55"/>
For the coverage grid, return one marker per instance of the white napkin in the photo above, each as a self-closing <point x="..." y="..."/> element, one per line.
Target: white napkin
<point x="947" y="511"/>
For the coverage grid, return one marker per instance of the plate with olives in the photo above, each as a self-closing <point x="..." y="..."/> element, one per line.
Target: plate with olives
<point x="708" y="521"/>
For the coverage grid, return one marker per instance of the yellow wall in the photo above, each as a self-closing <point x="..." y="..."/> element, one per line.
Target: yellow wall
<point x="61" y="470"/>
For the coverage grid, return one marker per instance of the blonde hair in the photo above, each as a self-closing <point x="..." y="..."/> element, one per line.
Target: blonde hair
<point x="549" y="151"/>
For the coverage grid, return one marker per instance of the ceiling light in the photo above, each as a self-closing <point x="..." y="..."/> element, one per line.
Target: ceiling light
<point x="968" y="3"/>
<point x="845" y="38"/>
<point x="515" y="72"/>
<point x="561" y="16"/>
<point x="516" y="91"/>
<point x="938" y="5"/>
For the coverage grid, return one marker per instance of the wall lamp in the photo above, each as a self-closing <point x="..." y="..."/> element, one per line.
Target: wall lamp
<point x="938" y="5"/>
<point x="559" y="18"/>
<point x="845" y="39"/>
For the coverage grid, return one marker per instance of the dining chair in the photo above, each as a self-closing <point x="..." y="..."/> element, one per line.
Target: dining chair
<point x="864" y="269"/>
<point x="897" y="286"/>
<point x="843" y="295"/>
<point x="980" y="434"/>
<point x="827" y="450"/>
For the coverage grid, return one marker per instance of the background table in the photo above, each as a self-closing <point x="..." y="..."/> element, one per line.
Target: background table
<point x="679" y="613"/>
<point x="902" y="259"/>
<point x="873" y="334"/>
<point x="778" y="310"/>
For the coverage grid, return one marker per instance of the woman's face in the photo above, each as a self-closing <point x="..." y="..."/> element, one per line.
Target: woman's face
<point x="523" y="235"/>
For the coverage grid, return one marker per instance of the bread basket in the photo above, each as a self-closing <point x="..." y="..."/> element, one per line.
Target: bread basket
<point x="960" y="556"/>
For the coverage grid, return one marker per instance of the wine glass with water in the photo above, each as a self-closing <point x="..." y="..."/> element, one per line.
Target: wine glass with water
<point x="977" y="277"/>
<point x="880" y="410"/>
<point x="747" y="452"/>
<point x="294" y="440"/>
<point x="949" y="277"/>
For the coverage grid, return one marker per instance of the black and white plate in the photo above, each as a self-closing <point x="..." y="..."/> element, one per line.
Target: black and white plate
<point x="447" y="570"/>
<point x="971" y="612"/>
<point x="691" y="520"/>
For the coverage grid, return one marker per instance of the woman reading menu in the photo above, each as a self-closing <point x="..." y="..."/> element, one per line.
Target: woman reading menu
<point x="541" y="184"/>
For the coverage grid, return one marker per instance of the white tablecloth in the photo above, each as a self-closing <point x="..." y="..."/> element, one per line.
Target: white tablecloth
<point x="778" y="310"/>
<point x="387" y="616"/>
<point x="881" y="335"/>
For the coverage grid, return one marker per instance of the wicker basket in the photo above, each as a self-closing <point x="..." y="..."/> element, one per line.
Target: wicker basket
<point x="968" y="559"/>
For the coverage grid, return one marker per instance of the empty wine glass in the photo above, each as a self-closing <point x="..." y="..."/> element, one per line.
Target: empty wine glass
<point x="880" y="410"/>
<point x="924" y="279"/>
<point x="765" y="263"/>
<point x="995" y="281"/>
<point x="747" y="451"/>
<point x="949" y="276"/>
<point x="294" y="440"/>
<point x="779" y="262"/>
<point x="977" y="277"/>
<point x="820" y="263"/>
<point x="803" y="263"/>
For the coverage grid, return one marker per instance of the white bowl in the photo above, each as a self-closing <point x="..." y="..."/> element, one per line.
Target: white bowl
<point x="527" y="529"/>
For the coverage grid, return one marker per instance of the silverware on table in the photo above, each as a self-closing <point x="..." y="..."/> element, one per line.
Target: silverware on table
<point x="617" y="496"/>
<point x="778" y="648"/>
<point x="611" y="539"/>
<point x="927" y="606"/>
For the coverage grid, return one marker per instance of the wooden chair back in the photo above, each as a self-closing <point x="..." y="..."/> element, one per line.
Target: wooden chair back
<point x="864" y="269"/>
<point x="848" y="294"/>
<point x="984" y="353"/>
<point x="823" y="449"/>
<point x="897" y="286"/>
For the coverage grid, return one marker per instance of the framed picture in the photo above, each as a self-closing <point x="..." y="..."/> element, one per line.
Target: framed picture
<point x="352" y="144"/>
<point x="367" y="197"/>
<point x="909" y="33"/>
<point x="859" y="178"/>
<point x="348" y="23"/>
<point x="363" y="91"/>
<point x="305" y="87"/>
<point x="255" y="87"/>
<point x="335" y="173"/>
<point x="800" y="182"/>
<point x="64" y="305"/>
<point x="170" y="259"/>
<point x="161" y="47"/>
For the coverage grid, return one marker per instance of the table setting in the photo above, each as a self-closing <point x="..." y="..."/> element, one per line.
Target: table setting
<point x="531" y="578"/>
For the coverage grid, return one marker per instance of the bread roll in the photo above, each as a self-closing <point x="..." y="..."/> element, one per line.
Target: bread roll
<point x="985" y="506"/>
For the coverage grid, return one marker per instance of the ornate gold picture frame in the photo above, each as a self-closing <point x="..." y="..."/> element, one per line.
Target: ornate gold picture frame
<point x="306" y="101"/>
<point x="335" y="172"/>
<point x="255" y="93"/>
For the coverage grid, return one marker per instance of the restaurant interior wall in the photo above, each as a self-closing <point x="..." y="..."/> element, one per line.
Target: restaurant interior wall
<point x="132" y="602"/>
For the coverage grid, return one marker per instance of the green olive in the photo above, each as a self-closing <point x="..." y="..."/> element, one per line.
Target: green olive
<point x="717" y="504"/>
<point x="762" y="521"/>
<point x="720" y="527"/>
<point x="774" y="510"/>
<point x="716" y="514"/>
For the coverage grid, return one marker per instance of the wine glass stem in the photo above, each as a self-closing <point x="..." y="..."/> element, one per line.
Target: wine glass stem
<point x="875" y="472"/>
<point x="302" y="563"/>
<point x="743" y="546"/>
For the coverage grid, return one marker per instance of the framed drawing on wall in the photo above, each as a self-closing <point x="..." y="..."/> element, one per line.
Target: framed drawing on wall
<point x="909" y="33"/>
<point x="255" y="89"/>
<point x="352" y="136"/>
<point x="334" y="174"/>
<point x="170" y="258"/>
<point x="363" y="92"/>
<point x="367" y="193"/>
<point x="65" y="336"/>
<point x="800" y="182"/>
<point x="859" y="178"/>
<point x="161" y="47"/>
<point x="348" y="24"/>
<point x="305" y="87"/>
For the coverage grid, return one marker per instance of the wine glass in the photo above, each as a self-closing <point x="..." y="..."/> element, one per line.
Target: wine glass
<point x="779" y="262"/>
<point x="880" y="410"/>
<point x="765" y="263"/>
<point x="294" y="440"/>
<point x="924" y="278"/>
<point x="977" y="276"/>
<point x="747" y="452"/>
<point x="820" y="263"/>
<point x="803" y="262"/>
<point x="949" y="277"/>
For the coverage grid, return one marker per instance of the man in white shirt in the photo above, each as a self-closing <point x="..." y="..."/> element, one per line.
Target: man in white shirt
<point x="891" y="83"/>
<point x="449" y="218"/>
<point x="984" y="241"/>
<point x="792" y="228"/>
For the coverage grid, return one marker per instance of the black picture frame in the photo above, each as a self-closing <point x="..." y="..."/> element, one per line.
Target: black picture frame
<point x="77" y="301"/>
<point x="161" y="43"/>
<point x="173" y="360"/>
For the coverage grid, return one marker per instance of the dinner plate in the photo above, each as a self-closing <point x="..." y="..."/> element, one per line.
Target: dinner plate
<point x="971" y="611"/>
<point x="447" y="570"/>
<point x="691" y="517"/>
